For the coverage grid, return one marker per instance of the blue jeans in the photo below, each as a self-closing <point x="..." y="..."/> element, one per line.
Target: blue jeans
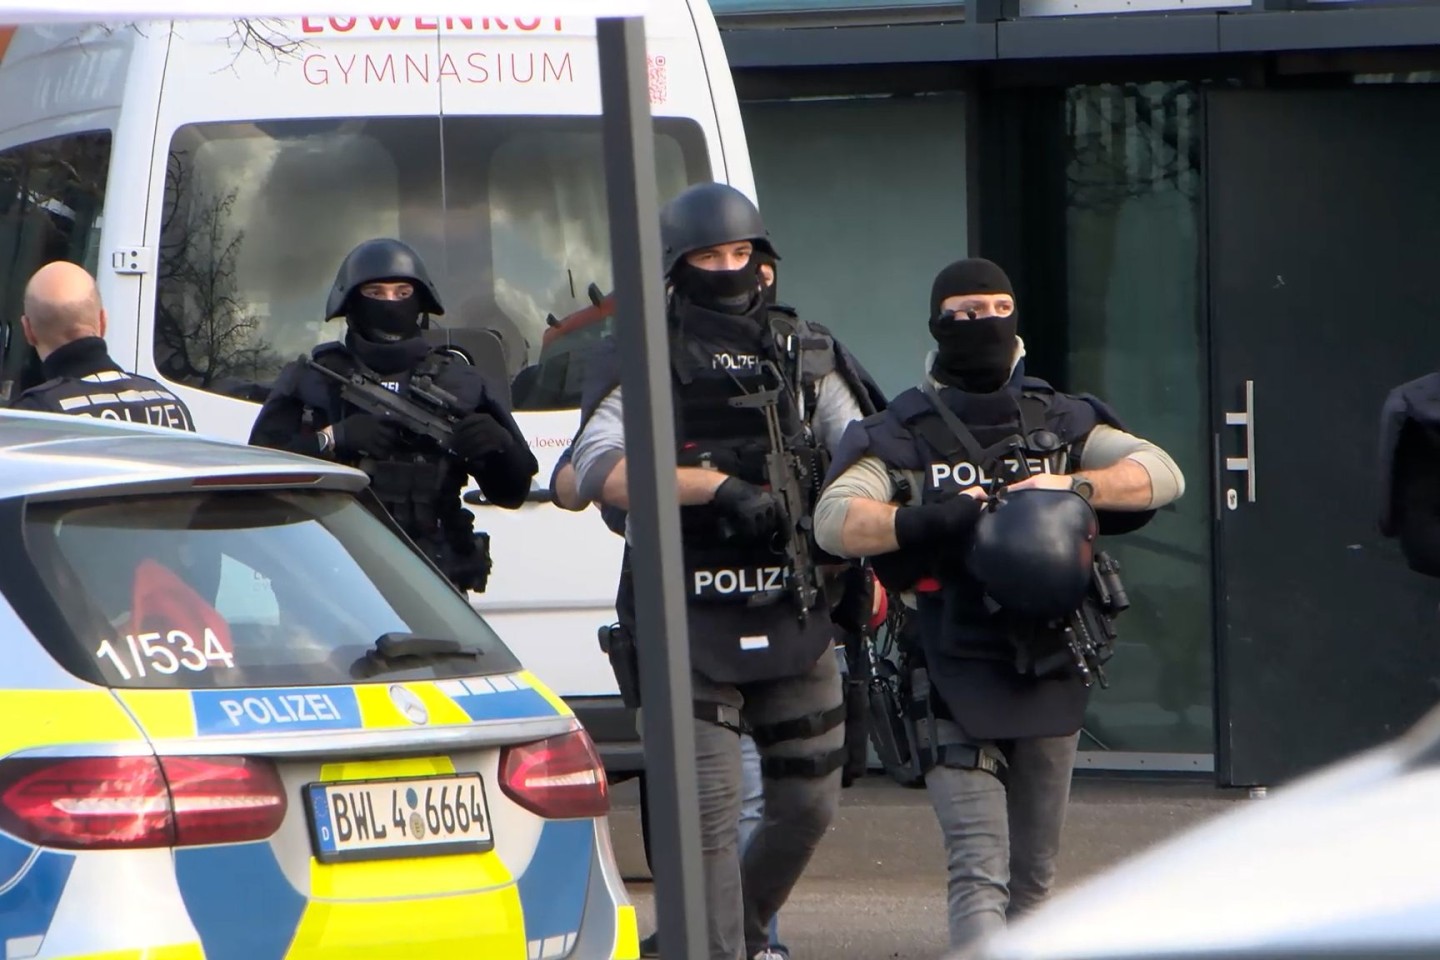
<point x="752" y="808"/>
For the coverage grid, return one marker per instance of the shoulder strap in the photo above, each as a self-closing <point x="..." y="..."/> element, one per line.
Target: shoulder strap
<point x="793" y="337"/>
<point x="1032" y="412"/>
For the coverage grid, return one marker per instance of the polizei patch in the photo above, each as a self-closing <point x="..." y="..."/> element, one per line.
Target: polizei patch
<point x="741" y="582"/>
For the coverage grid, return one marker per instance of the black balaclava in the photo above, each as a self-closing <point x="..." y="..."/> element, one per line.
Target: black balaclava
<point x="385" y="334"/>
<point x="974" y="355"/>
<point x="736" y="292"/>
<point x="384" y="321"/>
<point x="762" y="259"/>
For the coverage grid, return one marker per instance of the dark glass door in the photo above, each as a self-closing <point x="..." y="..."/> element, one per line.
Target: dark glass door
<point x="1324" y="248"/>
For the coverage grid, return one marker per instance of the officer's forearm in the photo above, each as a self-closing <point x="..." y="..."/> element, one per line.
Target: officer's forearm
<point x="565" y="492"/>
<point x="695" y="485"/>
<point x="277" y="426"/>
<point x="869" y="528"/>
<point x="1122" y="486"/>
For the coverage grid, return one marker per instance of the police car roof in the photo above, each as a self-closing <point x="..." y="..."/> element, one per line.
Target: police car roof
<point x="47" y="453"/>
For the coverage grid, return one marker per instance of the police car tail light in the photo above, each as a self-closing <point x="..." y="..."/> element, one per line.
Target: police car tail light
<point x="105" y="803"/>
<point x="86" y="803"/>
<point x="223" y="799"/>
<point x="560" y="778"/>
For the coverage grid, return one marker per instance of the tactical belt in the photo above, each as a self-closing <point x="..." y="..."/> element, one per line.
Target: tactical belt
<point x="801" y="728"/>
<point x="720" y="714"/>
<point x="965" y="756"/>
<point x="779" y="768"/>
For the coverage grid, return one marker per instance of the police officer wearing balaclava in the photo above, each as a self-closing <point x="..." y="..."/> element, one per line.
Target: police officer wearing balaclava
<point x="991" y="580"/>
<point x="385" y="295"/>
<point x="759" y="653"/>
<point x="1410" y="471"/>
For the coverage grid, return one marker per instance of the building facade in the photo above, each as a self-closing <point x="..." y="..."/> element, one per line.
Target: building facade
<point x="1222" y="217"/>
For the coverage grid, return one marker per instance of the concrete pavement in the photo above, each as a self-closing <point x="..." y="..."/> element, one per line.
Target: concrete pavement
<point x="876" y="887"/>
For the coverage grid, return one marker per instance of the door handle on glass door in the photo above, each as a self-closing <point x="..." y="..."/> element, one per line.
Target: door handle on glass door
<point x="1246" y="420"/>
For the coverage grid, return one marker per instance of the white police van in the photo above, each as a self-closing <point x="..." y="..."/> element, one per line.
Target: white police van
<point x="212" y="175"/>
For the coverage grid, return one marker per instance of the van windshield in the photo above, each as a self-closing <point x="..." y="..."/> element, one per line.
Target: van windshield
<point x="507" y="212"/>
<point x="237" y="589"/>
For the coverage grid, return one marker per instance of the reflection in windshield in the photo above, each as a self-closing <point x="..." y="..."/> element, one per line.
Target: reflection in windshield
<point x="258" y="217"/>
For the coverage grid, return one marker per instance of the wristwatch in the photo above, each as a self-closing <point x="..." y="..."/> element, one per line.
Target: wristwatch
<point x="1082" y="486"/>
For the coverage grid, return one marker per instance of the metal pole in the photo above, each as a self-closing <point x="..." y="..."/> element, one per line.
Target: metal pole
<point x="667" y="718"/>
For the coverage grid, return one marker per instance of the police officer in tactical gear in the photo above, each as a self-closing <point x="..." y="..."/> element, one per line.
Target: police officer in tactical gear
<point x="1410" y="471"/>
<point x="64" y="321"/>
<point x="759" y="626"/>
<point x="992" y="574"/>
<point x="384" y="292"/>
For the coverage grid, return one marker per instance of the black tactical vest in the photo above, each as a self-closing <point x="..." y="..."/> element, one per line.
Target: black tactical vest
<point x="112" y="395"/>
<point x="1012" y="434"/>
<point x="420" y="484"/>
<point x="744" y="625"/>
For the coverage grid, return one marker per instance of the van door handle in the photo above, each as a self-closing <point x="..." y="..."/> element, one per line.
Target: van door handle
<point x="1245" y="419"/>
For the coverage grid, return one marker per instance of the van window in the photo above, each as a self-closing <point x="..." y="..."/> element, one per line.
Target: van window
<point x="234" y="589"/>
<point x="508" y="214"/>
<point x="51" y="196"/>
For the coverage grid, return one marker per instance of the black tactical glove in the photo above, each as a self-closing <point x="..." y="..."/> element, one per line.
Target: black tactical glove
<point x="947" y="524"/>
<point x="364" y="434"/>
<point x="480" y="435"/>
<point x="754" y="514"/>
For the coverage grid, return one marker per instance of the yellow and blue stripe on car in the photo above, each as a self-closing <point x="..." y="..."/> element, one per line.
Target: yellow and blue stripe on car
<point x="237" y="900"/>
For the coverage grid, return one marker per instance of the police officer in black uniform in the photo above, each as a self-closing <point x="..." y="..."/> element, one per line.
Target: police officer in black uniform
<point x="994" y="582"/>
<point x="64" y="321"/>
<point x="384" y="292"/>
<point x="759" y="624"/>
<point x="1410" y="471"/>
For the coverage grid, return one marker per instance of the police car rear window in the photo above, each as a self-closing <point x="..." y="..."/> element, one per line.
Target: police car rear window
<point x="237" y="589"/>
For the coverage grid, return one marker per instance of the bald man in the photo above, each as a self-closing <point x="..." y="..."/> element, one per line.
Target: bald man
<point x="64" y="321"/>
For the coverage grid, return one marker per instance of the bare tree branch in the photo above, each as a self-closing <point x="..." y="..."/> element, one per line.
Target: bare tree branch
<point x="266" y="37"/>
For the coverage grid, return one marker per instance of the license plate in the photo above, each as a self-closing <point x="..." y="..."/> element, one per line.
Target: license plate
<point x="409" y="817"/>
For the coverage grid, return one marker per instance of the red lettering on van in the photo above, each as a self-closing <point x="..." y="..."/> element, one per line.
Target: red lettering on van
<point x="379" y="24"/>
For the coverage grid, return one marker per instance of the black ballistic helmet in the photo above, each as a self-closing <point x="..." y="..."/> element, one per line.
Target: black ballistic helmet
<point x="706" y="215"/>
<point x="1033" y="551"/>
<point x="376" y="261"/>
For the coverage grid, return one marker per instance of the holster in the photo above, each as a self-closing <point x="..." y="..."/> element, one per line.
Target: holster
<point x="618" y="644"/>
<point x="466" y="560"/>
<point x="855" y="681"/>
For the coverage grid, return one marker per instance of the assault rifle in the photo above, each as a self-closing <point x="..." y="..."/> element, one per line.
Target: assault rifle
<point x="1090" y="631"/>
<point x="431" y="413"/>
<point x="782" y="473"/>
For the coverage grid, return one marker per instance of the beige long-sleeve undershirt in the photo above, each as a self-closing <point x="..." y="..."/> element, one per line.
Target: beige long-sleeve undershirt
<point x="1104" y="447"/>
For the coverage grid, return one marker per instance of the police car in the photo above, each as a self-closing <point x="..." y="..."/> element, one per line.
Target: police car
<point x="242" y="718"/>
